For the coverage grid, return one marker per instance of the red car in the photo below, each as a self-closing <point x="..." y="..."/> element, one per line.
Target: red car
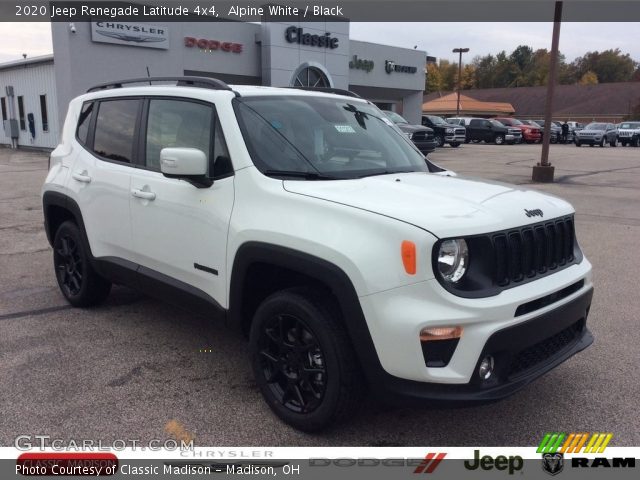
<point x="529" y="134"/>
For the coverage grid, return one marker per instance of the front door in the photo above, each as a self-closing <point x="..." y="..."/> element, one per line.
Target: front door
<point x="180" y="230"/>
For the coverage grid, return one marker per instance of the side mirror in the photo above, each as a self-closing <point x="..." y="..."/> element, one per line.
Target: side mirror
<point x="189" y="164"/>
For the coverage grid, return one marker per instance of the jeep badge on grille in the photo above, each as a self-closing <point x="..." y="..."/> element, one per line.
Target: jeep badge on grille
<point x="534" y="213"/>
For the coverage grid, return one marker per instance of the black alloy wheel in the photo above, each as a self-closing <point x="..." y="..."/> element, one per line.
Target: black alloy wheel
<point x="80" y="284"/>
<point x="303" y="359"/>
<point x="293" y="363"/>
<point x="69" y="266"/>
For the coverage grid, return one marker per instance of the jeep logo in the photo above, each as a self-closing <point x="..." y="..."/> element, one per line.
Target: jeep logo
<point x="534" y="213"/>
<point x="511" y="464"/>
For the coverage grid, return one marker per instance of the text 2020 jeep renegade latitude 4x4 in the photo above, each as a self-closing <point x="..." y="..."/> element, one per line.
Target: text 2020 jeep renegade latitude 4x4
<point x="314" y="225"/>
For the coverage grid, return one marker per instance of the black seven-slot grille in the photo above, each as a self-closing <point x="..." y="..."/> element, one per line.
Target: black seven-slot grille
<point x="528" y="252"/>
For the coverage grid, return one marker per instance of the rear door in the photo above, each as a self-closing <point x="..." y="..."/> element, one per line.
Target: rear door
<point x="101" y="175"/>
<point x="180" y="230"/>
<point x="474" y="129"/>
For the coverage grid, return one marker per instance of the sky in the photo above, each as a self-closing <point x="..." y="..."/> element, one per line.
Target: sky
<point x="437" y="39"/>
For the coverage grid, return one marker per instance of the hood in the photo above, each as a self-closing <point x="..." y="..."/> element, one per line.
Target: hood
<point x="591" y="131"/>
<point x="407" y="128"/>
<point x="444" y="206"/>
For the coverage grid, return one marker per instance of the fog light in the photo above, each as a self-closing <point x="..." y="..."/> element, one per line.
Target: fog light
<point x="486" y="367"/>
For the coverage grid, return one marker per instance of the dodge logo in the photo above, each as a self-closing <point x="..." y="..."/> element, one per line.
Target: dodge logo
<point x="534" y="213"/>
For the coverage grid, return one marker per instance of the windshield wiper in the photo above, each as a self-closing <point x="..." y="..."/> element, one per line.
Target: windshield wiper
<point x="303" y="175"/>
<point x="387" y="172"/>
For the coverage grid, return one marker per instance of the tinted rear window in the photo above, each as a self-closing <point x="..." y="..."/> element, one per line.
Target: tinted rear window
<point x="115" y="129"/>
<point x="83" y="122"/>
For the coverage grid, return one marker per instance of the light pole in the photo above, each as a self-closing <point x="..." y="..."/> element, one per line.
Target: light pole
<point x="460" y="51"/>
<point x="543" y="171"/>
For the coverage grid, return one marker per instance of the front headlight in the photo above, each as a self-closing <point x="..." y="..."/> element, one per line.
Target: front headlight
<point x="450" y="130"/>
<point x="453" y="259"/>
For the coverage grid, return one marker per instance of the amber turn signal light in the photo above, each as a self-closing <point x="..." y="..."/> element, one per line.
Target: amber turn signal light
<point x="440" y="333"/>
<point x="408" y="252"/>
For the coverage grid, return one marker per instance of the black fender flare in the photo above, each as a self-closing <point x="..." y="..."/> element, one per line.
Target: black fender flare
<point x="317" y="268"/>
<point x="58" y="199"/>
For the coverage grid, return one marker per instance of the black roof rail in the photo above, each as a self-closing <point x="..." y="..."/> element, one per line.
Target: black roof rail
<point x="337" y="91"/>
<point x="198" y="82"/>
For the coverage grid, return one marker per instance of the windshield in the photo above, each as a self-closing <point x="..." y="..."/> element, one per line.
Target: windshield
<point x="321" y="138"/>
<point x="596" y="126"/>
<point x="436" y="120"/>
<point x="496" y="123"/>
<point x="395" y="118"/>
<point x="511" y="121"/>
<point x="630" y="125"/>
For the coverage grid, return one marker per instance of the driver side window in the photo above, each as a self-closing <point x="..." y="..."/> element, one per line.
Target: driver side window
<point x="179" y="123"/>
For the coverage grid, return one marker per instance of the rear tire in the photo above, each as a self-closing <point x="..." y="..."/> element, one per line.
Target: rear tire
<point x="80" y="284"/>
<point x="578" y="144"/>
<point x="303" y="360"/>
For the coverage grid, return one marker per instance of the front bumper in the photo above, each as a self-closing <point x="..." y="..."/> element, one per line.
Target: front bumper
<point x="588" y="140"/>
<point x="455" y="138"/>
<point x="524" y="347"/>
<point x="425" y="146"/>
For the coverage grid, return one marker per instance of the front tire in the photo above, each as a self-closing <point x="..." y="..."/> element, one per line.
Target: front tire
<point x="499" y="139"/>
<point x="614" y="142"/>
<point x="303" y="360"/>
<point x="439" y="141"/>
<point x="603" y="142"/>
<point x="80" y="284"/>
<point x="455" y="144"/>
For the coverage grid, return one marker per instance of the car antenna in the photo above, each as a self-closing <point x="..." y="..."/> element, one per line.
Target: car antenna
<point x="148" y="74"/>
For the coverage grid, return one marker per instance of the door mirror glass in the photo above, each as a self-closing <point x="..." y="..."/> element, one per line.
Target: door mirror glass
<point x="183" y="162"/>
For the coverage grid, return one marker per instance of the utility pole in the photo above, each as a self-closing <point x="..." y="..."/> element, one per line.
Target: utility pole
<point x="460" y="51"/>
<point x="543" y="171"/>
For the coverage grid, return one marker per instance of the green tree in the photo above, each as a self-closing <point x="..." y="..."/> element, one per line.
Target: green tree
<point x="609" y="66"/>
<point x="485" y="71"/>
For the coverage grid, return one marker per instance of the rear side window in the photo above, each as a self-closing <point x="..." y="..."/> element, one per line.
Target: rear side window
<point x="83" y="122"/>
<point x="115" y="129"/>
<point x="475" y="123"/>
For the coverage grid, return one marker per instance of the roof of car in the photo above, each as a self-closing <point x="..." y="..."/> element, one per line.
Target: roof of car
<point x="241" y="90"/>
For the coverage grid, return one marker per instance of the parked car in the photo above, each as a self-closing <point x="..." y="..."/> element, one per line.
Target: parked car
<point x="529" y="134"/>
<point x="556" y="131"/>
<point x="570" y="133"/>
<point x="488" y="130"/>
<point x="422" y="137"/>
<point x="597" y="134"/>
<point x="575" y="126"/>
<point x="445" y="132"/>
<point x="305" y="220"/>
<point x="629" y="133"/>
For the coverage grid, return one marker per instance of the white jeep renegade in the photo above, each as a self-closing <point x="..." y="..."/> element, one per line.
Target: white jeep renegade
<point x="310" y="222"/>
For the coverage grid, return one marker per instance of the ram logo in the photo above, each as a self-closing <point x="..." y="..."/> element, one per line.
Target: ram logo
<point x="534" y="213"/>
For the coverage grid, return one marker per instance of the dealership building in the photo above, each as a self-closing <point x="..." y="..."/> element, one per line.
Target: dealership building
<point x="35" y="91"/>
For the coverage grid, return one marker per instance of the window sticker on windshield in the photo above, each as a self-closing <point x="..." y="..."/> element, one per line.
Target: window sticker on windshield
<point x="345" y="128"/>
<point x="276" y="124"/>
<point x="387" y="121"/>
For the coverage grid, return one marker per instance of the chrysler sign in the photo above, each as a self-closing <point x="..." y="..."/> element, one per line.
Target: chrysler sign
<point x="134" y="34"/>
